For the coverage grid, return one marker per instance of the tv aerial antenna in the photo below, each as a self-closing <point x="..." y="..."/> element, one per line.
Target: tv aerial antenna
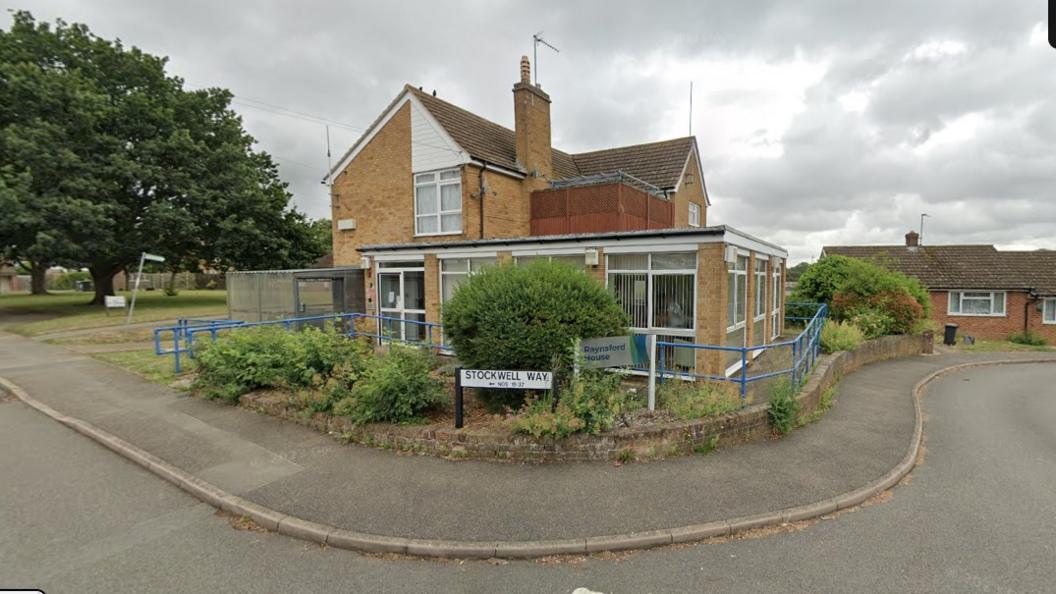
<point x="536" y="40"/>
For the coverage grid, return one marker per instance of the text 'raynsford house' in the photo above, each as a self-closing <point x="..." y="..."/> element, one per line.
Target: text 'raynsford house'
<point x="432" y="192"/>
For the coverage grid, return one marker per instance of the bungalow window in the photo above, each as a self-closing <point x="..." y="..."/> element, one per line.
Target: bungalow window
<point x="977" y="303"/>
<point x="759" y="319"/>
<point x="438" y="203"/>
<point x="656" y="290"/>
<point x="1049" y="311"/>
<point x="694" y="214"/>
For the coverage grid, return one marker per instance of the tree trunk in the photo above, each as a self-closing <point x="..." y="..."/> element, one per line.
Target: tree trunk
<point x="103" y="280"/>
<point x="38" y="279"/>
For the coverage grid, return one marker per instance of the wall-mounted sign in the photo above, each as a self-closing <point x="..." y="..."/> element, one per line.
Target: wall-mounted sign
<point x="507" y="379"/>
<point x="613" y="351"/>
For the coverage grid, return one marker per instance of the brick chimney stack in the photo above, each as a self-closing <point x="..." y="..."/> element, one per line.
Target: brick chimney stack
<point x="531" y="111"/>
<point x="912" y="239"/>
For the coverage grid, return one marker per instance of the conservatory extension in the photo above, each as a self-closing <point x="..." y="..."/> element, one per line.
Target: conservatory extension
<point x="708" y="285"/>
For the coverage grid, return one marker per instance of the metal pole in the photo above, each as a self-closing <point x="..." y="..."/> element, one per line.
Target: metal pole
<point x="135" y="288"/>
<point x="458" y="398"/>
<point x="650" y="342"/>
<point x="744" y="373"/>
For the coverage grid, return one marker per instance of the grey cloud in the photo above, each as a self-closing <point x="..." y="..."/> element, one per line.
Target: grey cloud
<point x="842" y="178"/>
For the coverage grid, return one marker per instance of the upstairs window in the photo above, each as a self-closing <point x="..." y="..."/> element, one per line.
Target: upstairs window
<point x="694" y="214"/>
<point x="977" y="303"/>
<point x="438" y="203"/>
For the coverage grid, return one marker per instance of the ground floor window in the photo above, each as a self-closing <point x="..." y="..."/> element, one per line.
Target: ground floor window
<point x="658" y="291"/>
<point x="1049" y="311"/>
<point x="455" y="271"/>
<point x="977" y="303"/>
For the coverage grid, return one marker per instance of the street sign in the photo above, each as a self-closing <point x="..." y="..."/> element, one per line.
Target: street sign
<point x="501" y="379"/>
<point x="153" y="257"/>
<point x="507" y="379"/>
<point x="114" y="301"/>
<point x="612" y="351"/>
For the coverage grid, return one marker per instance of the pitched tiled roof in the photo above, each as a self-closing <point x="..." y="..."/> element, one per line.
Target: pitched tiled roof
<point x="659" y="163"/>
<point x="962" y="266"/>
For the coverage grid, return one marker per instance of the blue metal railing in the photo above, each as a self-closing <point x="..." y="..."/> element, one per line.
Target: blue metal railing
<point x="805" y="348"/>
<point x="182" y="335"/>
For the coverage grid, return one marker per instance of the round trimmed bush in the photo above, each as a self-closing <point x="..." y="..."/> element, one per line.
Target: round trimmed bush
<point x="527" y="316"/>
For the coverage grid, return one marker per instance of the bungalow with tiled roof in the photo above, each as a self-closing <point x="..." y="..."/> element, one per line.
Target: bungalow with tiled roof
<point x="988" y="293"/>
<point x="431" y="192"/>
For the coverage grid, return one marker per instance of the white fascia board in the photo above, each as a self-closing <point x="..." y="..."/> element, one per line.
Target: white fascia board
<point x="457" y="255"/>
<point x="407" y="96"/>
<point x="750" y="243"/>
<point x="658" y="248"/>
<point x="496" y="169"/>
<point x="571" y="251"/>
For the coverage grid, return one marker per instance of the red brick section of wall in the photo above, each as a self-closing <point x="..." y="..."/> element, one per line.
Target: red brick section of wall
<point x="994" y="327"/>
<point x="749" y="424"/>
<point x="598" y="208"/>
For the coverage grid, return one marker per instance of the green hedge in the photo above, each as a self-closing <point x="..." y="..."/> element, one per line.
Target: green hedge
<point x="526" y="317"/>
<point x="878" y="300"/>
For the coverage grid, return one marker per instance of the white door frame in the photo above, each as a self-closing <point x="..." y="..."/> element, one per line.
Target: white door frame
<point x="400" y="310"/>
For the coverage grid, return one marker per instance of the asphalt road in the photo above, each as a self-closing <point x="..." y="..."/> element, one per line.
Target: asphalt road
<point x="976" y="516"/>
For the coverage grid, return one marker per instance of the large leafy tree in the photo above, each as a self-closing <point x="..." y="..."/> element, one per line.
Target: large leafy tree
<point x="108" y="156"/>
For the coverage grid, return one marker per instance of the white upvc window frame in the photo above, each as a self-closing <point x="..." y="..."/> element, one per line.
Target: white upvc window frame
<point x="650" y="273"/>
<point x="762" y="268"/>
<point x="694" y="214"/>
<point x="435" y="179"/>
<point x="775" y="301"/>
<point x="731" y="292"/>
<point x="1048" y="311"/>
<point x="955" y="303"/>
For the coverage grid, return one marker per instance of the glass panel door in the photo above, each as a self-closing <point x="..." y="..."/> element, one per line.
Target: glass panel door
<point x="390" y="303"/>
<point x="401" y="296"/>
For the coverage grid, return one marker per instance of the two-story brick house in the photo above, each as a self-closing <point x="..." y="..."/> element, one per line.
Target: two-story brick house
<point x="431" y="192"/>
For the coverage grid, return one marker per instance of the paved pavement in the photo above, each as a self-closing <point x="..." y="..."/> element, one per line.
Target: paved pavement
<point x="975" y="517"/>
<point x="309" y="475"/>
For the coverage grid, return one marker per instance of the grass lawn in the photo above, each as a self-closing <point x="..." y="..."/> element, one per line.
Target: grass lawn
<point x="148" y="365"/>
<point x="70" y="311"/>
<point x="996" y="346"/>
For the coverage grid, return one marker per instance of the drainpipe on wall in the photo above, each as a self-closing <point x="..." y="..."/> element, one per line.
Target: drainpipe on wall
<point x="1032" y="297"/>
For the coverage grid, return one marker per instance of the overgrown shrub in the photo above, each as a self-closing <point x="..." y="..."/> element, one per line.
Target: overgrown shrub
<point x="884" y="301"/>
<point x="872" y="322"/>
<point x="1027" y="338"/>
<point x="526" y="317"/>
<point x="783" y="406"/>
<point x="394" y="387"/>
<point x="696" y="400"/>
<point x="591" y="402"/>
<point x="840" y="336"/>
<point x="242" y="360"/>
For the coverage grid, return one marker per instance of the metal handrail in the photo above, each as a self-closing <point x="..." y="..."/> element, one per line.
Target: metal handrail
<point x="184" y="331"/>
<point x="805" y="349"/>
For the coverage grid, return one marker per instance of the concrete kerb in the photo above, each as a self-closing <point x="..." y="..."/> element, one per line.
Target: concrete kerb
<point x="347" y="539"/>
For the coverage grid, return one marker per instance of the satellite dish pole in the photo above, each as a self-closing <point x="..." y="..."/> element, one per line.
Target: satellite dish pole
<point x="536" y="40"/>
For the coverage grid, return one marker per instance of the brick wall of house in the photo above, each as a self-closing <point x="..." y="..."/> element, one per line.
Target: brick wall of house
<point x="506" y="205"/>
<point x="375" y="189"/>
<point x="994" y="328"/>
<point x="693" y="191"/>
<point x="711" y="305"/>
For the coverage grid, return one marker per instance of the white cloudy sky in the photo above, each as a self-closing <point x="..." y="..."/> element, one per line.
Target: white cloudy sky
<point x="819" y="122"/>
